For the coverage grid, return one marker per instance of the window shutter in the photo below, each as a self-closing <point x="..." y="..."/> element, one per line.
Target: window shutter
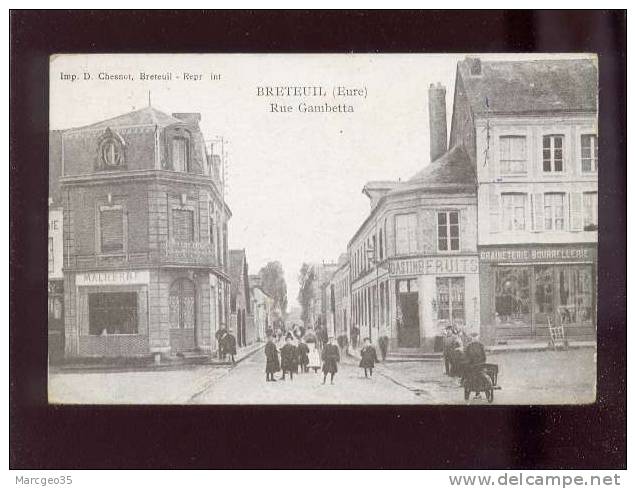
<point x="576" y="221"/>
<point x="112" y="230"/>
<point x="429" y="231"/>
<point x="538" y="212"/>
<point x="494" y="210"/>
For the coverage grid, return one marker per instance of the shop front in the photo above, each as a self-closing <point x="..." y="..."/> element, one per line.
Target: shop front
<point x="430" y="294"/>
<point x="525" y="289"/>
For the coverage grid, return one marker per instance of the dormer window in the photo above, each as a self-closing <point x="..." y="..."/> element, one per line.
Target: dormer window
<point x="180" y="154"/>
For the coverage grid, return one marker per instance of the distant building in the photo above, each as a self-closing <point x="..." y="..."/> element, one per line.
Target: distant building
<point x="145" y="236"/>
<point x="263" y="308"/>
<point x="339" y="315"/>
<point x="530" y="130"/>
<point x="242" y="320"/>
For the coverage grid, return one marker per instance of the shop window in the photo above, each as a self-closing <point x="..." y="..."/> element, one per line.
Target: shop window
<point x="514" y="211"/>
<point x="590" y="211"/>
<point x="111" y="229"/>
<point x="112" y="313"/>
<point x="589" y="153"/>
<point x="574" y="294"/>
<point x="405" y="229"/>
<point x="451" y="300"/>
<point x="51" y="257"/>
<point x="512" y="295"/>
<point x="448" y="231"/>
<point x="553" y="153"/>
<point x="554" y="211"/>
<point x="183" y="225"/>
<point x="181" y="304"/>
<point x="512" y="155"/>
<point x="180" y="154"/>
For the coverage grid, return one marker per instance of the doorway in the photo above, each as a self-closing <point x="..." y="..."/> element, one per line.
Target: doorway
<point x="182" y="316"/>
<point x="408" y="314"/>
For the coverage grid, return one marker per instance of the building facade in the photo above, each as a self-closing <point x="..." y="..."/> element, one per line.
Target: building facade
<point x="145" y="237"/>
<point x="242" y="319"/>
<point x="414" y="263"/>
<point x="263" y="308"/>
<point x="531" y="131"/>
<point x="337" y="291"/>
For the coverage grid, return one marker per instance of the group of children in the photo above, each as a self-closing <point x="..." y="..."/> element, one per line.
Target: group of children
<point x="304" y="356"/>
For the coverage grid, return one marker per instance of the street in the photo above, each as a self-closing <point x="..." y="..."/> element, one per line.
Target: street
<point x="547" y="377"/>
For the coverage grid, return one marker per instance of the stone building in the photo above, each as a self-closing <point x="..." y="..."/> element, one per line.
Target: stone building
<point x="242" y="320"/>
<point x="145" y="236"/>
<point x="339" y="311"/>
<point x="413" y="261"/>
<point x="530" y="130"/>
<point x="263" y="308"/>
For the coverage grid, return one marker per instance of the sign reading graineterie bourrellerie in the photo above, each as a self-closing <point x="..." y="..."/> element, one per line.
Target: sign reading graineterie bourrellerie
<point x="112" y="278"/>
<point x="539" y="254"/>
<point x="434" y="265"/>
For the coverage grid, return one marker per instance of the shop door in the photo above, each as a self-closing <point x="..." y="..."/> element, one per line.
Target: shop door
<point x="409" y="329"/>
<point x="182" y="316"/>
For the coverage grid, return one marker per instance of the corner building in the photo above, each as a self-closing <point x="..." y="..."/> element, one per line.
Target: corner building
<point x="145" y="237"/>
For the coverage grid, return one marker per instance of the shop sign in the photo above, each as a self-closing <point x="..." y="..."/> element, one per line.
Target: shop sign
<point x="539" y="254"/>
<point x="124" y="277"/>
<point x="434" y="265"/>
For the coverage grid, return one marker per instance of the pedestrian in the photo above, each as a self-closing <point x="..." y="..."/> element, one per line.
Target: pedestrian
<point x="475" y="351"/>
<point x="318" y="331"/>
<point x="289" y="358"/>
<point x="303" y="356"/>
<point x="368" y="357"/>
<point x="271" y="354"/>
<point x="330" y="359"/>
<point x="355" y="333"/>
<point x="451" y="342"/>
<point x="219" y="339"/>
<point x="383" y="342"/>
<point x="229" y="345"/>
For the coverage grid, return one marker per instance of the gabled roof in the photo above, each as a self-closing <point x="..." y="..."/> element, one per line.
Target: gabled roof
<point x="148" y="116"/>
<point x="453" y="167"/>
<point x="515" y="87"/>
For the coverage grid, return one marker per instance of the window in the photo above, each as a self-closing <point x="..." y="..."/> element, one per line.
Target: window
<point x="405" y="229"/>
<point x="512" y="295"/>
<point x="448" y="231"/>
<point x="512" y="154"/>
<point x="51" y="256"/>
<point x="183" y="225"/>
<point x="553" y="211"/>
<point x="553" y="153"/>
<point x="450" y="300"/>
<point x="111" y="229"/>
<point x="574" y="294"/>
<point x="180" y="154"/>
<point x="514" y="212"/>
<point x="112" y="313"/>
<point x="590" y="211"/>
<point x="589" y="153"/>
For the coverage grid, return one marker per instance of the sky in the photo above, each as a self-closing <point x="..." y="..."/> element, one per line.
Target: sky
<point x="293" y="180"/>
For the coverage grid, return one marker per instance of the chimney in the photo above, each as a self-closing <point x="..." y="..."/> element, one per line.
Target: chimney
<point x="437" y="119"/>
<point x="474" y="65"/>
<point x="188" y="117"/>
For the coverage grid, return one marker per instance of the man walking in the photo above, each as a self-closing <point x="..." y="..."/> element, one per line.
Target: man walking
<point x="229" y="345"/>
<point x="271" y="354"/>
<point x="330" y="359"/>
<point x="289" y="358"/>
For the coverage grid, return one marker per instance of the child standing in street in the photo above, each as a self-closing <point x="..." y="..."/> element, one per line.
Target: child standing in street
<point x="330" y="359"/>
<point x="368" y="357"/>
<point x="271" y="354"/>
<point x="288" y="358"/>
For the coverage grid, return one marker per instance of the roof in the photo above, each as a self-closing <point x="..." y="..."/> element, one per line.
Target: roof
<point x="236" y="269"/>
<point x="564" y="85"/>
<point x="148" y="116"/>
<point x="453" y="167"/>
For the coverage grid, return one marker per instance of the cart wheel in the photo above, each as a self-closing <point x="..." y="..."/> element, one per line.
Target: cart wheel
<point x="490" y="395"/>
<point x="466" y="393"/>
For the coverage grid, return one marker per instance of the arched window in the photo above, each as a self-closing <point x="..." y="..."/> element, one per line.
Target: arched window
<point x="182" y="304"/>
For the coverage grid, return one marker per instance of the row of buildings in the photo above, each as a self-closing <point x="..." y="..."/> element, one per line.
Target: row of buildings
<point x="138" y="242"/>
<point x="498" y="234"/>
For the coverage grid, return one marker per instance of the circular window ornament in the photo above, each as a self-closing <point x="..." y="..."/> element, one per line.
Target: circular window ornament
<point x="111" y="150"/>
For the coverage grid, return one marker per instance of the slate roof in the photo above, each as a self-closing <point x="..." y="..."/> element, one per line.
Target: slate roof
<point x="148" y="116"/>
<point x="453" y="167"/>
<point x="531" y="86"/>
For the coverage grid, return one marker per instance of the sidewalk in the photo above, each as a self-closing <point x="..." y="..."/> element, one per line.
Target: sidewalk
<point x="147" y="363"/>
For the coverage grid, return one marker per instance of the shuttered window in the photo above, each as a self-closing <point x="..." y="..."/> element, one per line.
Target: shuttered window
<point x="180" y="154"/>
<point x="111" y="221"/>
<point x="554" y="211"/>
<point x="590" y="211"/>
<point x="512" y="154"/>
<point x="448" y="231"/>
<point x="514" y="211"/>
<point x="553" y="153"/>
<point x="405" y="229"/>
<point x="183" y="225"/>
<point x="589" y="153"/>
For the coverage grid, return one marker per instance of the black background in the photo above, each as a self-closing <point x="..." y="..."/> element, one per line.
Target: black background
<point x="41" y="436"/>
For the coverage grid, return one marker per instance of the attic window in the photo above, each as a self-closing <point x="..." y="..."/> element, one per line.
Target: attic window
<point x="111" y="151"/>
